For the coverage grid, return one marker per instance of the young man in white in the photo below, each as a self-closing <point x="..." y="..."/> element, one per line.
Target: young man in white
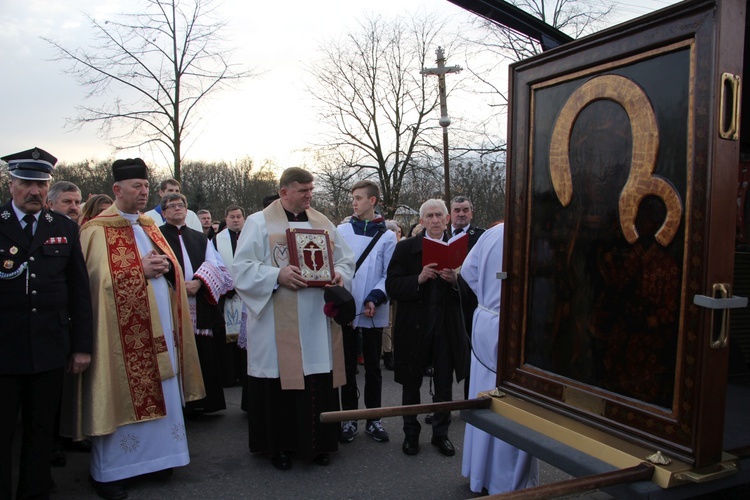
<point x="171" y="186"/>
<point x="368" y="289"/>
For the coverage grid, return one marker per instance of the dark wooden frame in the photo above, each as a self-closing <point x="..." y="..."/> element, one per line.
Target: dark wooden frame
<point x="691" y="427"/>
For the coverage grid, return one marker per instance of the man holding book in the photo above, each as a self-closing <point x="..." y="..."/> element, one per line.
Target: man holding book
<point x="428" y="319"/>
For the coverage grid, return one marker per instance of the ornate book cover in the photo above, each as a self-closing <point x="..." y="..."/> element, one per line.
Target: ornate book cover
<point x="310" y="250"/>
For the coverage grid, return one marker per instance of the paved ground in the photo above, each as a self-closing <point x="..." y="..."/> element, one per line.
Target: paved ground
<point x="222" y="467"/>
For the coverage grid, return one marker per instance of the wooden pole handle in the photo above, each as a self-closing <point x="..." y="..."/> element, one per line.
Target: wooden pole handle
<point x="399" y="411"/>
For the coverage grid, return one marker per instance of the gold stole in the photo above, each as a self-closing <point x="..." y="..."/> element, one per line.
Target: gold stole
<point x="141" y="344"/>
<point x="285" y="304"/>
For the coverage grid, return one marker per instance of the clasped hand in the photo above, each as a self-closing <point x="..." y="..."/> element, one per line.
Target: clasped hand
<point x="154" y="264"/>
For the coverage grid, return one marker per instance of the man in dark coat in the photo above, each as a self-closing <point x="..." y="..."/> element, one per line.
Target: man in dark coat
<point x="462" y="213"/>
<point x="429" y="325"/>
<point x="45" y="306"/>
<point x="204" y="308"/>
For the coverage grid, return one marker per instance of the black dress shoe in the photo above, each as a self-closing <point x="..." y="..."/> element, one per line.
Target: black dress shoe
<point x="58" y="458"/>
<point x="444" y="445"/>
<point x="83" y="446"/>
<point x="160" y="475"/>
<point x="411" y="445"/>
<point x="282" y="461"/>
<point x="388" y="361"/>
<point x="112" y="490"/>
<point x="322" y="459"/>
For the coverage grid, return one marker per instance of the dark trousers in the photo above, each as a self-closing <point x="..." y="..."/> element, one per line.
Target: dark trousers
<point x="372" y="344"/>
<point x="442" y="381"/>
<point x="37" y="397"/>
<point x="289" y="420"/>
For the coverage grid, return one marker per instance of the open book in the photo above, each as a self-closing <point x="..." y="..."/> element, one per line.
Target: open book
<point x="446" y="255"/>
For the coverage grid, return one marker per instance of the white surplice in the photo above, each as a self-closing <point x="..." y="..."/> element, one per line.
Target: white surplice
<point x="489" y="462"/>
<point x="371" y="274"/>
<point x="235" y="313"/>
<point x="255" y="278"/>
<point x="211" y="256"/>
<point x="144" y="447"/>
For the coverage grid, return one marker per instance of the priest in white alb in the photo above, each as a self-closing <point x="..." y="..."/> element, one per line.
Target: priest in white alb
<point x="488" y="462"/>
<point x="295" y="357"/>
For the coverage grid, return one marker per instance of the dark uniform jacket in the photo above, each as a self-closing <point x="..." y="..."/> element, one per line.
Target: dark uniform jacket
<point x="431" y="308"/>
<point x="45" y="309"/>
<point x="474" y="234"/>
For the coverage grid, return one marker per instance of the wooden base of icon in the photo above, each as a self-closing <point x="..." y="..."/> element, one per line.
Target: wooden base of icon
<point x="600" y="445"/>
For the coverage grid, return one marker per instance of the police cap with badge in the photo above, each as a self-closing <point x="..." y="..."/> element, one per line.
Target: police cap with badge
<point x="32" y="165"/>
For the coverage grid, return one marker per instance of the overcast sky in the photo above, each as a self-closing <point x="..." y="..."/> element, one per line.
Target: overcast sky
<point x="268" y="117"/>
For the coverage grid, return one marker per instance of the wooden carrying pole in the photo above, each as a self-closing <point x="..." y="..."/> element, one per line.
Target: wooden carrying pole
<point x="640" y="472"/>
<point x="400" y="411"/>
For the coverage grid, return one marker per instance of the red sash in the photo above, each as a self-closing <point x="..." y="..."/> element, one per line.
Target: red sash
<point x="139" y="345"/>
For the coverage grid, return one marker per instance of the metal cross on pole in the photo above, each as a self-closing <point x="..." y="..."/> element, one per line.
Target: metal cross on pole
<point x="445" y="120"/>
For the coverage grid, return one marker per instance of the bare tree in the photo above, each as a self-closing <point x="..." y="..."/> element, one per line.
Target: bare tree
<point x="157" y="65"/>
<point x="482" y="180"/>
<point x="491" y="47"/>
<point x="375" y="102"/>
<point x="334" y="179"/>
<point x="215" y="185"/>
<point x="576" y="18"/>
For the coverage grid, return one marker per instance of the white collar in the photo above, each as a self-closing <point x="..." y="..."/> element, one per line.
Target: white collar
<point x="20" y="215"/>
<point x="431" y="238"/>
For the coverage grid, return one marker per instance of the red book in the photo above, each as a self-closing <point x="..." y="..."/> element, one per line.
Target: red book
<point x="446" y="255"/>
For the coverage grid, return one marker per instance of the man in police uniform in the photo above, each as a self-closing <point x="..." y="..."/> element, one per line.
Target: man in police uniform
<point x="45" y="310"/>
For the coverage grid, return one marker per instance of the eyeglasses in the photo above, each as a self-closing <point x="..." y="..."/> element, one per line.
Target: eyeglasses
<point x="175" y="206"/>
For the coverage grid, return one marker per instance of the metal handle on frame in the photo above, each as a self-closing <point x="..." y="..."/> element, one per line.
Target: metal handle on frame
<point x="729" y="108"/>
<point x="720" y="303"/>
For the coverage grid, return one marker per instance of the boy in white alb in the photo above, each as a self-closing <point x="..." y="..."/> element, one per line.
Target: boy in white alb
<point x="373" y="246"/>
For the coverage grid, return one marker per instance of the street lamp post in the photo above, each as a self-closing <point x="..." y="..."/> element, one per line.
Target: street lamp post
<point x="445" y="120"/>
